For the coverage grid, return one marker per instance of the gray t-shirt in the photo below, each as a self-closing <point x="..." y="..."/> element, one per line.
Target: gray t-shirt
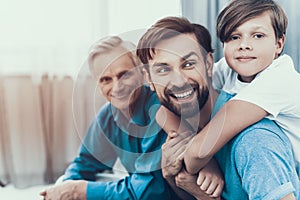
<point x="258" y="163"/>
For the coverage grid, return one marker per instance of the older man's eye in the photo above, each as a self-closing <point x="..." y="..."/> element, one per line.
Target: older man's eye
<point x="105" y="80"/>
<point x="126" y="75"/>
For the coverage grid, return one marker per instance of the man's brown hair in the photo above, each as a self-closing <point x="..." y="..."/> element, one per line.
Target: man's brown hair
<point x="167" y="28"/>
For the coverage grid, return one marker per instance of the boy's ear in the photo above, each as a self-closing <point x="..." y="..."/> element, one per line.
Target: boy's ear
<point x="280" y="45"/>
<point x="148" y="79"/>
<point x="209" y="64"/>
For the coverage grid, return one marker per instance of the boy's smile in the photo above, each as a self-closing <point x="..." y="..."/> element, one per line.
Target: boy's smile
<point x="252" y="47"/>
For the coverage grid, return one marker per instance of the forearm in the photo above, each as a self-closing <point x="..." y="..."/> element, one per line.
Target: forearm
<point x="109" y="190"/>
<point x="231" y="119"/>
<point x="135" y="186"/>
<point x="170" y="122"/>
<point x="193" y="159"/>
<point x="81" y="169"/>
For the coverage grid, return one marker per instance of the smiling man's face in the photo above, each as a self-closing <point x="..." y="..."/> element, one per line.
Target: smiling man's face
<point x="178" y="74"/>
<point x="119" y="79"/>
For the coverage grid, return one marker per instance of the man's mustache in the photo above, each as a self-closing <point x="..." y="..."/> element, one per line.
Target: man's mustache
<point x="175" y="89"/>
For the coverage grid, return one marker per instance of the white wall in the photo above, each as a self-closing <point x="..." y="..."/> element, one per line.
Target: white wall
<point x="39" y="36"/>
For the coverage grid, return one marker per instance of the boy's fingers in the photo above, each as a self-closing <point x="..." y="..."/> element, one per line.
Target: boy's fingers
<point x="204" y="186"/>
<point x="200" y="179"/>
<point x="217" y="191"/>
<point x="211" y="189"/>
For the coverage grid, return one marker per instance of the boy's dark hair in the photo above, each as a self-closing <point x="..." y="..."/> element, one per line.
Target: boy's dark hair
<point x="240" y="11"/>
<point x="167" y="28"/>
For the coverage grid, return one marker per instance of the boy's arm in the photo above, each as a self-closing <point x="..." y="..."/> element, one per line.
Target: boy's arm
<point x="171" y="122"/>
<point x="231" y="119"/>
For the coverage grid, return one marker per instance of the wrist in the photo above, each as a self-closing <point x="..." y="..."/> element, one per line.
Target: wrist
<point x="167" y="175"/>
<point x="79" y="190"/>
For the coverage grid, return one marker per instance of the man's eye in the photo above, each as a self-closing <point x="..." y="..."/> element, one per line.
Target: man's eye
<point x="126" y="75"/>
<point x="162" y="69"/>
<point x="105" y="80"/>
<point x="189" y="64"/>
<point x="258" y="35"/>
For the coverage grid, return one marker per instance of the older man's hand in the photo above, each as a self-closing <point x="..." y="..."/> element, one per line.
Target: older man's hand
<point x="68" y="190"/>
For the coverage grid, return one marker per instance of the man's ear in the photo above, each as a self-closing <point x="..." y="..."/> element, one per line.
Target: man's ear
<point x="209" y="64"/>
<point x="148" y="79"/>
<point x="279" y="45"/>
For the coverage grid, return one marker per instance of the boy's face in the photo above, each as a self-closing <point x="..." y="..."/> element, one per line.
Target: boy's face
<point x="178" y="75"/>
<point x="252" y="47"/>
<point x="119" y="78"/>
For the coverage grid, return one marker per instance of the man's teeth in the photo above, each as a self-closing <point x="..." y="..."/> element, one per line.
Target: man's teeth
<point x="183" y="95"/>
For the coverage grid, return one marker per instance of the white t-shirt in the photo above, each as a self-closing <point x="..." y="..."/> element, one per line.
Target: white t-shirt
<point x="276" y="89"/>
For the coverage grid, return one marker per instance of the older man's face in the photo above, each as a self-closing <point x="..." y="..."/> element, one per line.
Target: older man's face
<point x="120" y="80"/>
<point x="178" y="74"/>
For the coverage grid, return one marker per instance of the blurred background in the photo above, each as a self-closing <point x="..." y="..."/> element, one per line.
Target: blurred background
<point x="45" y="108"/>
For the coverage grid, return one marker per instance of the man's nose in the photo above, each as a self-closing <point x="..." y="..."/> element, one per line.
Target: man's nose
<point x="117" y="84"/>
<point x="178" y="78"/>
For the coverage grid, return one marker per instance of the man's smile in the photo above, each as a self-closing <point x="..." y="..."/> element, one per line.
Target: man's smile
<point x="183" y="94"/>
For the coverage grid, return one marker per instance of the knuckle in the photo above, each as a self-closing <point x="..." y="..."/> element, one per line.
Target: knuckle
<point x="202" y="187"/>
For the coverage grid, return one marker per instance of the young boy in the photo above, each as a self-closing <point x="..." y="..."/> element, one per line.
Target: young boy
<point x="265" y="83"/>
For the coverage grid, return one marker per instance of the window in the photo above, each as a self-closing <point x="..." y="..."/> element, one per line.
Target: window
<point x="39" y="36"/>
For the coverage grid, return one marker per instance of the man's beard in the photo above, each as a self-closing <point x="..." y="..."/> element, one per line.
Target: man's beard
<point x="189" y="109"/>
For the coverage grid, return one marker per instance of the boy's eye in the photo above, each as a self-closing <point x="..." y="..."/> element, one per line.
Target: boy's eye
<point x="258" y="35"/>
<point x="234" y="37"/>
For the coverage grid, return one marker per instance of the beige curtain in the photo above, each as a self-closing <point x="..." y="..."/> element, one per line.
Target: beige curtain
<point x="41" y="126"/>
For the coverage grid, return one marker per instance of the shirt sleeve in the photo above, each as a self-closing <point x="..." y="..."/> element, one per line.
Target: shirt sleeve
<point x="95" y="155"/>
<point x="265" y="165"/>
<point x="135" y="186"/>
<point x="276" y="89"/>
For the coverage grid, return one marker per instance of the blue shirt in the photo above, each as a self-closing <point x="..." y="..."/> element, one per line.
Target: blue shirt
<point x="258" y="163"/>
<point x="138" y="145"/>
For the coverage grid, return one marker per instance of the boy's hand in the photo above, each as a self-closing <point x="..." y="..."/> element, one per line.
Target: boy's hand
<point x="187" y="182"/>
<point x="210" y="179"/>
